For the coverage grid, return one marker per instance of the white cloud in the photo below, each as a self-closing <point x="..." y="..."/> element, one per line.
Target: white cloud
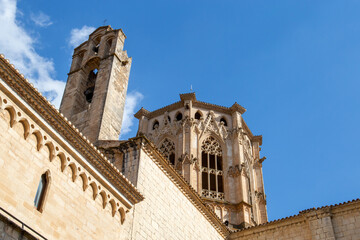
<point x="41" y="19"/>
<point x="78" y="36"/>
<point x="132" y="101"/>
<point x="18" y="47"/>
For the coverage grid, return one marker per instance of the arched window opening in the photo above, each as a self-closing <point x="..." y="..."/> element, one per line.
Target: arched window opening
<point x="167" y="148"/>
<point x="223" y="120"/>
<point x="156" y="125"/>
<point x="179" y="116"/>
<point x="41" y="192"/>
<point x="211" y="170"/>
<point x="169" y="119"/>
<point x="97" y="45"/>
<point x="108" y="46"/>
<point x="90" y="85"/>
<point x="198" y="115"/>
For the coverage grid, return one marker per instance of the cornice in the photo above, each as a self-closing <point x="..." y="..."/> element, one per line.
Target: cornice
<point x="301" y="217"/>
<point x="141" y="112"/>
<point x="187" y="96"/>
<point x="190" y="96"/>
<point x="179" y="181"/>
<point x="258" y="139"/>
<point x="66" y="129"/>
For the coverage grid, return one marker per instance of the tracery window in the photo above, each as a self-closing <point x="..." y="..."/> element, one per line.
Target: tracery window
<point x="211" y="169"/>
<point x="168" y="150"/>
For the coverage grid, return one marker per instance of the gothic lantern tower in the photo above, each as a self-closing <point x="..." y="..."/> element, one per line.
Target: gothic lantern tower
<point x="214" y="150"/>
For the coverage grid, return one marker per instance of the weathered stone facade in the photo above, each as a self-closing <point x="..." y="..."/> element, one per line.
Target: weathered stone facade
<point x="75" y="180"/>
<point x="95" y="92"/>
<point x="82" y="200"/>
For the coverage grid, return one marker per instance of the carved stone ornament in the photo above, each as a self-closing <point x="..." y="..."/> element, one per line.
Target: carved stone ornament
<point x="234" y="171"/>
<point x="210" y="145"/>
<point x="171" y="128"/>
<point x="186" y="159"/>
<point x="260" y="197"/>
<point x="244" y="169"/>
<point x="210" y="125"/>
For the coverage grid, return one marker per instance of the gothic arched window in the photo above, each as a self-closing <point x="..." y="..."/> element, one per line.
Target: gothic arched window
<point x="211" y="169"/>
<point x="167" y="148"/>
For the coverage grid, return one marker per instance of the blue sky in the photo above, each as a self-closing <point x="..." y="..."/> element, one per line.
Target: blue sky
<point x="294" y="65"/>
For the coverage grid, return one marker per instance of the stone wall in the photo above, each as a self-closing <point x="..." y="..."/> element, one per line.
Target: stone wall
<point x="9" y="230"/>
<point x="340" y="222"/>
<point x="166" y="213"/>
<point x="80" y="204"/>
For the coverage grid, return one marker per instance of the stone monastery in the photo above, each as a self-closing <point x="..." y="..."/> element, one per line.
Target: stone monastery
<point x="193" y="171"/>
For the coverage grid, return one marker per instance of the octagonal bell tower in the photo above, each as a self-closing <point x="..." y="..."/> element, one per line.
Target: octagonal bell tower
<point x="95" y="91"/>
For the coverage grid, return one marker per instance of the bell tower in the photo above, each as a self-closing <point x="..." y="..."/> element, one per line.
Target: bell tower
<point x="95" y="91"/>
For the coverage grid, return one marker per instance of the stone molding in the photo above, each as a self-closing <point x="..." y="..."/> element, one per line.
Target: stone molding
<point x="23" y="88"/>
<point x="301" y="218"/>
<point x="189" y="96"/>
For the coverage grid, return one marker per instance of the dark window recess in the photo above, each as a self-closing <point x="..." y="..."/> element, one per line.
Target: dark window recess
<point x="178" y="117"/>
<point x="40" y="193"/>
<point x="89" y="93"/>
<point x="223" y="121"/>
<point x="169" y="119"/>
<point x="219" y="163"/>
<point x="155" y="125"/>
<point x="204" y="159"/>
<point x="220" y="184"/>
<point x="172" y="158"/>
<point x="204" y="180"/>
<point x="212" y="161"/>
<point x="212" y="182"/>
<point x="197" y="115"/>
<point x="90" y="86"/>
<point x="187" y="106"/>
<point x="96" y="48"/>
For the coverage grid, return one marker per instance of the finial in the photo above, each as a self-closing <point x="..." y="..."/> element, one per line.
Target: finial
<point x="105" y="20"/>
<point x="191" y="88"/>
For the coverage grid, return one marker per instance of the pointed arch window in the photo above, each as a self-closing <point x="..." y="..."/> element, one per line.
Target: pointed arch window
<point x="167" y="148"/>
<point x="211" y="169"/>
<point x="42" y="191"/>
